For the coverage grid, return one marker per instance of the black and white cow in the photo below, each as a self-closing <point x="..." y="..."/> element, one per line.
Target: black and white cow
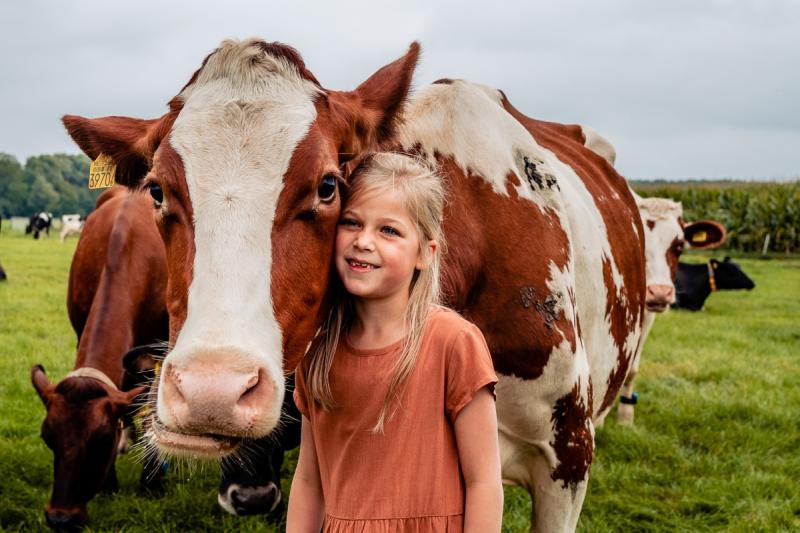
<point x="251" y="484"/>
<point x="38" y="223"/>
<point x="695" y="283"/>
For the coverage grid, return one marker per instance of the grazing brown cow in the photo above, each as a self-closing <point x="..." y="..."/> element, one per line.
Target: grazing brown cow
<point x="115" y="301"/>
<point x="546" y="249"/>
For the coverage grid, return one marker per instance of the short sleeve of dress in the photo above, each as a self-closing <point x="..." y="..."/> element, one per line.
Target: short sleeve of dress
<point x="300" y="395"/>
<point x="469" y="369"/>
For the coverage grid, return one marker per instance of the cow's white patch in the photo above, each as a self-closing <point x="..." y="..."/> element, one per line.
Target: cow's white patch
<point x="466" y="121"/>
<point x="241" y="121"/>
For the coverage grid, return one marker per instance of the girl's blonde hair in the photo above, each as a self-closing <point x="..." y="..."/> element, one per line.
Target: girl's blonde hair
<point x="423" y="195"/>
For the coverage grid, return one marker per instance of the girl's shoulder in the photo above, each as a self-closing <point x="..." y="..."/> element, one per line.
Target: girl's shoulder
<point x="445" y="325"/>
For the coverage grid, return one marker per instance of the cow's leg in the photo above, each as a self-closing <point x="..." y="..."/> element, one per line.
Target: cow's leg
<point x="627" y="399"/>
<point x="547" y="447"/>
<point x="556" y="503"/>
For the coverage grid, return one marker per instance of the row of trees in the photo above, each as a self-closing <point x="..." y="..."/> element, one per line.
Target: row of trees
<point x="754" y="213"/>
<point x="751" y="211"/>
<point x="54" y="183"/>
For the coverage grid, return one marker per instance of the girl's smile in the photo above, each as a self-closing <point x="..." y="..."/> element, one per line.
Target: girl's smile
<point x="357" y="265"/>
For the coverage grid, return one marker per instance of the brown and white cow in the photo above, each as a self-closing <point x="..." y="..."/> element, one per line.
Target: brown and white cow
<point x="115" y="301"/>
<point x="666" y="236"/>
<point x="546" y="249"/>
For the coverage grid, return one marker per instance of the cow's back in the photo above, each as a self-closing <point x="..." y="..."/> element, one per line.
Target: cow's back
<point x="119" y="263"/>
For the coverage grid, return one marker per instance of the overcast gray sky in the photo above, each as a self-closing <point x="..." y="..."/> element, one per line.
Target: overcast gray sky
<point x="682" y="88"/>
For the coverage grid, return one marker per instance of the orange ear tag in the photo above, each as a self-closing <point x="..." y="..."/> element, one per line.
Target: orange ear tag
<point x="101" y="173"/>
<point x="700" y="236"/>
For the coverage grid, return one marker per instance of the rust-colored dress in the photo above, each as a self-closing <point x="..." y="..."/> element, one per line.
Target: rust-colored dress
<point x="409" y="478"/>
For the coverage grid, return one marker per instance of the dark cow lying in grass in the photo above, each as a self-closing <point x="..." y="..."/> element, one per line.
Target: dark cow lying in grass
<point x="115" y="301"/>
<point x="695" y="283"/>
<point x="38" y="223"/>
<point x="251" y="484"/>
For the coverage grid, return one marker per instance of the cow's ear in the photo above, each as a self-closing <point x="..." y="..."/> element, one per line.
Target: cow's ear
<point x="129" y="142"/>
<point x="42" y="385"/>
<point x="727" y="259"/>
<point x="369" y="114"/>
<point x="140" y="363"/>
<point x="121" y="400"/>
<point x="705" y="234"/>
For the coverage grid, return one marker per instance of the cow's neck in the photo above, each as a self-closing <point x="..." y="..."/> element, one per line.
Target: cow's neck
<point x="106" y="338"/>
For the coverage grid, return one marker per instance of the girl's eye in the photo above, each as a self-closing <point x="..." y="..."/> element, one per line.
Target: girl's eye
<point x="348" y="222"/>
<point x="390" y="230"/>
<point x="156" y="193"/>
<point x="327" y="189"/>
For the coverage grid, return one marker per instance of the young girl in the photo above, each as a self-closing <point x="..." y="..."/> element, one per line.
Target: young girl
<point x="399" y="430"/>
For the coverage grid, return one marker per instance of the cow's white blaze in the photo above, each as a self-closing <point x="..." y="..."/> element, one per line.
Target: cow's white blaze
<point x="664" y="215"/>
<point x="241" y="121"/>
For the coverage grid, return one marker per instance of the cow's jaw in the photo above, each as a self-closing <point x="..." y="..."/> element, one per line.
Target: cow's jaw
<point x="223" y="380"/>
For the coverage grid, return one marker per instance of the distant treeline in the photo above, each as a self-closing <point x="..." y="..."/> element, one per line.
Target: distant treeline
<point x="55" y="183"/>
<point x="750" y="211"/>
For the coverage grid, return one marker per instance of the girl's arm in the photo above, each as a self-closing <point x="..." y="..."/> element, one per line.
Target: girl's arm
<point x="306" y="502"/>
<point x="479" y="453"/>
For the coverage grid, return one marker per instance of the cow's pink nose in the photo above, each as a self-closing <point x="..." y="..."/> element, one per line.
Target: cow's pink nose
<point x="212" y="397"/>
<point x="660" y="295"/>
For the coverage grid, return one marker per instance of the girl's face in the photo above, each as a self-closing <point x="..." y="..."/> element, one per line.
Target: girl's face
<point x="377" y="246"/>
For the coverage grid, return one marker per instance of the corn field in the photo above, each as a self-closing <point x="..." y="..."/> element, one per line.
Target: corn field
<point x="760" y="217"/>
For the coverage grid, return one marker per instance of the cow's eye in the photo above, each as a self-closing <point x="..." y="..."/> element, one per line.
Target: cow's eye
<point x="327" y="188"/>
<point x="156" y="193"/>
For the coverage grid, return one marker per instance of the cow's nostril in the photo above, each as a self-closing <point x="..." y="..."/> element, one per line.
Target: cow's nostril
<point x="258" y="390"/>
<point x="172" y="386"/>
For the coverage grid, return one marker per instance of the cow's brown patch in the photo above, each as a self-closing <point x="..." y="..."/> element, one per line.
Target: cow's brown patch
<point x="673" y="255"/>
<point x="177" y="232"/>
<point x="494" y="280"/>
<point x="573" y="442"/>
<point x="651" y="224"/>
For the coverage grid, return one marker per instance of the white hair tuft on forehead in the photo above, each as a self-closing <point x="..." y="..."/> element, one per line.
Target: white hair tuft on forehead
<point x="660" y="208"/>
<point x="248" y="64"/>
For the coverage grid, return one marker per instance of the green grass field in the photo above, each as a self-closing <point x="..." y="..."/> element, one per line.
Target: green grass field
<point x="716" y="446"/>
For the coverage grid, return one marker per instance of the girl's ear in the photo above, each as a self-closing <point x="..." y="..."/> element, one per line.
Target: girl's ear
<point x="431" y="247"/>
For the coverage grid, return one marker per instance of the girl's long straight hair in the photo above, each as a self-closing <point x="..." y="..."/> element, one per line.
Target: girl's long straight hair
<point x="423" y="194"/>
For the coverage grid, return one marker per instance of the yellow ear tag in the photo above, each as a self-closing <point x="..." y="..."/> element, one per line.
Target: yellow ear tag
<point x="700" y="236"/>
<point x="101" y="173"/>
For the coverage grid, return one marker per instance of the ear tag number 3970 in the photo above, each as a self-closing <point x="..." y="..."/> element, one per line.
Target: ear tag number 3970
<point x="101" y="173"/>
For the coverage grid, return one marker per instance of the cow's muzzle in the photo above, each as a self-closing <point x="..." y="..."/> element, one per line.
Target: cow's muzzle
<point x="659" y="297"/>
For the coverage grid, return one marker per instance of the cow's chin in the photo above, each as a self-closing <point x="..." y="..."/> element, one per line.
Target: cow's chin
<point x="209" y="447"/>
<point x="657" y="307"/>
